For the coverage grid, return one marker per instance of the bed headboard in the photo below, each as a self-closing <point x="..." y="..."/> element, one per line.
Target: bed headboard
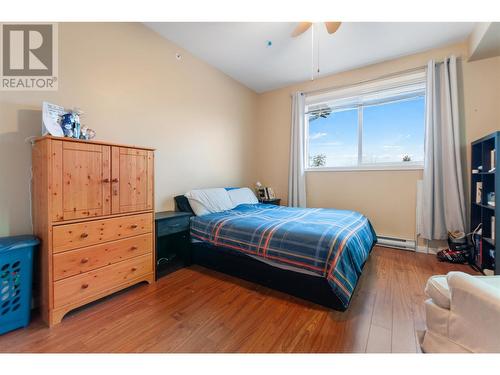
<point x="182" y="204"/>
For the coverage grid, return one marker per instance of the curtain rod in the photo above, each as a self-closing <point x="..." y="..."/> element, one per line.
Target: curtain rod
<point x="421" y="67"/>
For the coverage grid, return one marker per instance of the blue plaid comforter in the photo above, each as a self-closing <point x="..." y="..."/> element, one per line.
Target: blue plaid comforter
<point x="330" y="243"/>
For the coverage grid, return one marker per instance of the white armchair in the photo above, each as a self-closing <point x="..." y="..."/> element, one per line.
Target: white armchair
<point x="462" y="314"/>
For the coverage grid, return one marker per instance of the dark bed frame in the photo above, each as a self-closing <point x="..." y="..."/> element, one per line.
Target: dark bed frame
<point x="312" y="288"/>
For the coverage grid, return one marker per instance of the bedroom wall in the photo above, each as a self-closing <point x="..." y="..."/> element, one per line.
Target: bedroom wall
<point x="134" y="91"/>
<point x="388" y="198"/>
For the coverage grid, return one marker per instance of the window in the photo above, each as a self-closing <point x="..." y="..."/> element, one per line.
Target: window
<point x="378" y="126"/>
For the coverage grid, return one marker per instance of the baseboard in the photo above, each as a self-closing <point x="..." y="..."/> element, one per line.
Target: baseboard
<point x="396" y="242"/>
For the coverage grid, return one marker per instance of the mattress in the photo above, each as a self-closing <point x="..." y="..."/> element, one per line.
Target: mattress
<point x="328" y="243"/>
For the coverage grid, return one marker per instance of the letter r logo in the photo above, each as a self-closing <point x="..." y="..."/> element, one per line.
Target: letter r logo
<point x="27" y="50"/>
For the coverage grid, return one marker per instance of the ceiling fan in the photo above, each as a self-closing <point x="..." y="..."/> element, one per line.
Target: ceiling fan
<point x="331" y="27"/>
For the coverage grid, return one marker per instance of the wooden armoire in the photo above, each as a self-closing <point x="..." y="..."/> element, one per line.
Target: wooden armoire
<point x="93" y="209"/>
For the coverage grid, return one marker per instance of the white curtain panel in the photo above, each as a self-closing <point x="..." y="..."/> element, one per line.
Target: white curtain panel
<point x="296" y="175"/>
<point x="443" y="200"/>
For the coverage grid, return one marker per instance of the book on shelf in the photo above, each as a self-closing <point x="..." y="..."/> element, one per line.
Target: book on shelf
<point x="492" y="160"/>
<point x="493" y="228"/>
<point x="479" y="192"/>
<point x="477" y="244"/>
<point x="480" y="254"/>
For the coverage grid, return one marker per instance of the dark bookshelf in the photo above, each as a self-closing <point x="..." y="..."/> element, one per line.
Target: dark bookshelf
<point x="485" y="255"/>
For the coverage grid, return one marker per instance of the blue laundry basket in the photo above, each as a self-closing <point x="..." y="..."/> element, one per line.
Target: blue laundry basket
<point x="16" y="268"/>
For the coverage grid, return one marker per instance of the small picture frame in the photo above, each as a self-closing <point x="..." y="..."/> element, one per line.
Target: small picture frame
<point x="270" y="193"/>
<point x="261" y="192"/>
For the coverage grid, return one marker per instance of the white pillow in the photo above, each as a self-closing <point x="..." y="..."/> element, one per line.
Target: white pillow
<point x="242" y="196"/>
<point x="207" y="201"/>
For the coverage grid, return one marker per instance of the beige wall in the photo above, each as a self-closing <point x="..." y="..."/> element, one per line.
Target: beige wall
<point x="134" y="91"/>
<point x="386" y="197"/>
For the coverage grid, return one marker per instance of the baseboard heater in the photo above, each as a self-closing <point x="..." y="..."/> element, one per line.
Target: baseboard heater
<point x="399" y="243"/>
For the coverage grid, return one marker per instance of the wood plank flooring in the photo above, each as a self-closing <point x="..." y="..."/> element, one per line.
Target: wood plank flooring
<point x="198" y="310"/>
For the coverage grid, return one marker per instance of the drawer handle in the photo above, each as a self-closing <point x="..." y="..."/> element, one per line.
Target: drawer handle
<point x="114" y="180"/>
<point x="84" y="260"/>
<point x="134" y="269"/>
<point x="133" y="226"/>
<point x="166" y="260"/>
<point x="106" y="180"/>
<point x="133" y="248"/>
<point x="84" y="235"/>
<point x="85" y="286"/>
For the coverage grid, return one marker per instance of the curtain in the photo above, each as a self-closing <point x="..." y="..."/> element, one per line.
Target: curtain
<point x="296" y="175"/>
<point x="443" y="200"/>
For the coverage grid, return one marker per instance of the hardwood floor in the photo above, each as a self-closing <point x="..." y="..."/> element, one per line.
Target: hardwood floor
<point x="198" y="310"/>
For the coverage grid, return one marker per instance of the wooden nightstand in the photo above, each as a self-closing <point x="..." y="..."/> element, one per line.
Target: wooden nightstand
<point x="275" y="201"/>
<point x="172" y="241"/>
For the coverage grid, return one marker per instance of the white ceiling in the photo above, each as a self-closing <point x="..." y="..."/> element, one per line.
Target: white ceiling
<point x="240" y="49"/>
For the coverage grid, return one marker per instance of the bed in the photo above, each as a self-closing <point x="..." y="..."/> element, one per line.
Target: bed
<point x="316" y="254"/>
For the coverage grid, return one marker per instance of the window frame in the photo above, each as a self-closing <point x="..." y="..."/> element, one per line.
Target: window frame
<point x="377" y="87"/>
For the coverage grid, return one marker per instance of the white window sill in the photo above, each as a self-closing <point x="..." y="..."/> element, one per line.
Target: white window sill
<point x="397" y="167"/>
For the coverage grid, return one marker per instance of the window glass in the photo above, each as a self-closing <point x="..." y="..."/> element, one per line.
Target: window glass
<point x="394" y="132"/>
<point x="333" y="138"/>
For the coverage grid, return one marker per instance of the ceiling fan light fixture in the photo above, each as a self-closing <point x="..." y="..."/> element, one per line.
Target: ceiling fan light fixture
<point x="331" y="27"/>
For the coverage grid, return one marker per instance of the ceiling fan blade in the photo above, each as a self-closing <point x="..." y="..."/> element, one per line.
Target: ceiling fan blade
<point x="331" y="27"/>
<point x="303" y="26"/>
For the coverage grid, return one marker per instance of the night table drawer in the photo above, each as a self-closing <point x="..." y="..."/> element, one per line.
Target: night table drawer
<point x="172" y="225"/>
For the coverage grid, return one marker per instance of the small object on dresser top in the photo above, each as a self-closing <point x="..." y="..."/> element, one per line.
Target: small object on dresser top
<point x="87" y="133"/>
<point x="51" y="119"/>
<point x="72" y="127"/>
<point x="67" y="121"/>
<point x="77" y="127"/>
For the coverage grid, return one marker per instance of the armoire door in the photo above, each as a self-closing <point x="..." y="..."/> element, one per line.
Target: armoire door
<point x="132" y="180"/>
<point x="80" y="180"/>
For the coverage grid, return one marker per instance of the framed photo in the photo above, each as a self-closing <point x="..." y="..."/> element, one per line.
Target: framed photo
<point x="261" y="194"/>
<point x="270" y="193"/>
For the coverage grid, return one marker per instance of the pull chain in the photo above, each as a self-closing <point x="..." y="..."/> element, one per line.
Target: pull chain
<point x="318" y="37"/>
<point x="312" y="52"/>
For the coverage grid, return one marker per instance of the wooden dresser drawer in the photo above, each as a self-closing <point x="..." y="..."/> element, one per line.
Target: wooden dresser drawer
<point x="74" y="236"/>
<point x="74" y="262"/>
<point x="77" y="288"/>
